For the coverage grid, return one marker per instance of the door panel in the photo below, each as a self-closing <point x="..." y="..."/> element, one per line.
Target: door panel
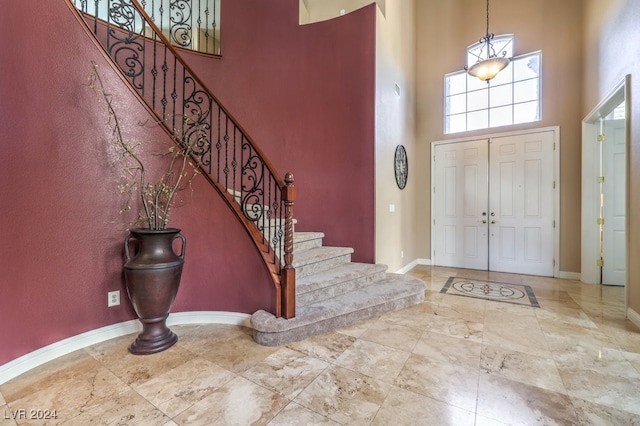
<point x="614" y="203"/>
<point x="461" y="199"/>
<point x="521" y="204"/>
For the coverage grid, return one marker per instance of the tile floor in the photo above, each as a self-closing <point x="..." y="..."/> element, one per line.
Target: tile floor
<point x="450" y="361"/>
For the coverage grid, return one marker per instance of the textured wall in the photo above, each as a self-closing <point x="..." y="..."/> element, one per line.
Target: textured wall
<point x="445" y="29"/>
<point x="611" y="34"/>
<point x="61" y="252"/>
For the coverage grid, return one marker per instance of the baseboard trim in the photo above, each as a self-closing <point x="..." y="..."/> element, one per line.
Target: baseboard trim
<point x="569" y="275"/>
<point x="412" y="265"/>
<point x="634" y="317"/>
<point x="50" y="352"/>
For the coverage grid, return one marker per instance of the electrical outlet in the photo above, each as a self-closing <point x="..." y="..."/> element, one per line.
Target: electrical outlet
<point x="113" y="298"/>
<point x="401" y="254"/>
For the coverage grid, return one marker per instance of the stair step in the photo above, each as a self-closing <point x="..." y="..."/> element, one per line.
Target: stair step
<point x="389" y="294"/>
<point x="319" y="259"/>
<point x="336" y="281"/>
<point x="306" y="240"/>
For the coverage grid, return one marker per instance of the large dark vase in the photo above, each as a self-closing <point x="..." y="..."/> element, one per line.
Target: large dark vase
<point x="152" y="276"/>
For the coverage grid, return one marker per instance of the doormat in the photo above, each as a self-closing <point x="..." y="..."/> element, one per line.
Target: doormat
<point x="490" y="290"/>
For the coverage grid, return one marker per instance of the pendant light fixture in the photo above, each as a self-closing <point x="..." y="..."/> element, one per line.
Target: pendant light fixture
<point x="487" y="68"/>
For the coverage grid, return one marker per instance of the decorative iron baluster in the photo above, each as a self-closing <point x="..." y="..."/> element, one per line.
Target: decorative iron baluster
<point x="180" y="29"/>
<point x="126" y="47"/>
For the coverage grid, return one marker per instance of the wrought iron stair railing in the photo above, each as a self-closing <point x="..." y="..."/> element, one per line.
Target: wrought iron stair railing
<point x="183" y="105"/>
<point x="188" y="24"/>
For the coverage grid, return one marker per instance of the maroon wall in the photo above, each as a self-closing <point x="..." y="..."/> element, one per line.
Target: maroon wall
<point x="305" y="93"/>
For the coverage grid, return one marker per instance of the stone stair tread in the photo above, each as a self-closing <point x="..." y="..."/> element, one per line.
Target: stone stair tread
<point x="391" y="293"/>
<point x="317" y="254"/>
<point x="299" y="236"/>
<point x="337" y="275"/>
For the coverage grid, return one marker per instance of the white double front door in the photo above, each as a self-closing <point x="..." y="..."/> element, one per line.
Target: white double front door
<point x="493" y="204"/>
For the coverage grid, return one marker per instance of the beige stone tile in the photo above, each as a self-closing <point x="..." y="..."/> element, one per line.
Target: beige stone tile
<point x="547" y="282"/>
<point x="433" y="285"/>
<point x="550" y="314"/>
<point x="485" y="421"/>
<point x="624" y="333"/>
<point x="286" y="372"/>
<point x="417" y="316"/>
<point x="7" y="416"/>
<point x="513" y="402"/>
<point x="179" y="388"/>
<point x="460" y="307"/>
<point x="345" y="396"/>
<point x="41" y="376"/>
<point x="501" y="311"/>
<point x="457" y="327"/>
<point x="137" y="369"/>
<point x="633" y="358"/>
<point x="327" y="347"/>
<point x="602" y="313"/>
<point x="392" y="335"/>
<point x="559" y="335"/>
<point x="548" y="293"/>
<point x="235" y="351"/>
<point x="374" y="360"/>
<point x="403" y="407"/>
<point x="609" y="361"/>
<point x="441" y="347"/>
<point x="520" y="335"/>
<point x="239" y="402"/>
<point x="446" y="382"/>
<point x="521" y="367"/>
<point x="434" y="297"/>
<point x="504" y="277"/>
<point x="295" y="414"/>
<point x="200" y="337"/>
<point x="472" y="274"/>
<point x="601" y="415"/>
<point x="126" y="408"/>
<point x="613" y="391"/>
<point x="357" y="329"/>
<point x="70" y="390"/>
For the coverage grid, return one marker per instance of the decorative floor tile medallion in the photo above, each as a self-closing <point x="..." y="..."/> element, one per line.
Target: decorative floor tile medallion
<point x="490" y="290"/>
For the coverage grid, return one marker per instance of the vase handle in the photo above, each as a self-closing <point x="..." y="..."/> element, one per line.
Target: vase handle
<point x="126" y="247"/>
<point x="184" y="245"/>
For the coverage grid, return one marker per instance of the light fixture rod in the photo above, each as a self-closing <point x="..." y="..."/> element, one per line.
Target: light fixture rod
<point x="488" y="68"/>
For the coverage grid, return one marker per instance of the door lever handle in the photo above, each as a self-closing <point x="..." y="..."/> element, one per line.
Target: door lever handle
<point x="493" y="221"/>
<point x="484" y="221"/>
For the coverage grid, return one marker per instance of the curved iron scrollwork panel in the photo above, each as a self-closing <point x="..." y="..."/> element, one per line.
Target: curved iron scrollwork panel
<point x="252" y="179"/>
<point x="125" y="45"/>
<point x="180" y="17"/>
<point x="197" y="124"/>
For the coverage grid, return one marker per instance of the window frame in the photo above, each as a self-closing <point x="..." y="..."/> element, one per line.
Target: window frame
<point x="479" y="86"/>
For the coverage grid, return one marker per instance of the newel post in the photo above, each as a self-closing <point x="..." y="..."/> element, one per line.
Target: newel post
<point x="288" y="272"/>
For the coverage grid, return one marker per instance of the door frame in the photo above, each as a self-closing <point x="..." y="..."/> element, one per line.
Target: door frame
<point x="556" y="172"/>
<point x="590" y="271"/>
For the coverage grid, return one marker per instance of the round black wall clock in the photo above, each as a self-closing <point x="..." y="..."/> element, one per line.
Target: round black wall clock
<point x="401" y="166"/>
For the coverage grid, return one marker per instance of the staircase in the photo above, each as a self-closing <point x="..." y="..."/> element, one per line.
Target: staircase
<point x="333" y="292"/>
<point x="317" y="288"/>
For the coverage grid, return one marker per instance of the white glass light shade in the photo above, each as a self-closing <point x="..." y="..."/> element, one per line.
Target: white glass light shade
<point x="488" y="68"/>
